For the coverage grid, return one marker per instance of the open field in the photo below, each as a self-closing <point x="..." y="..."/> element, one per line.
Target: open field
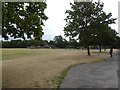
<point x="41" y="68"/>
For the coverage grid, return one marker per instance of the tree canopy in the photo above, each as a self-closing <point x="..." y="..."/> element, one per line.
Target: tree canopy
<point x="60" y="42"/>
<point x="89" y="23"/>
<point x="23" y="19"/>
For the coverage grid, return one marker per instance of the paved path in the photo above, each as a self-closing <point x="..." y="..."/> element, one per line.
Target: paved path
<point x="97" y="75"/>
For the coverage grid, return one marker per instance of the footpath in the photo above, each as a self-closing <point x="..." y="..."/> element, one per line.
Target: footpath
<point x="95" y="75"/>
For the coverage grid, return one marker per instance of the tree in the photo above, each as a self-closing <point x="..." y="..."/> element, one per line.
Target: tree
<point x="117" y="45"/>
<point x="73" y="43"/>
<point x="60" y="42"/>
<point x="51" y="43"/>
<point x="83" y="20"/>
<point x="45" y="42"/>
<point x="105" y="36"/>
<point x="23" y="20"/>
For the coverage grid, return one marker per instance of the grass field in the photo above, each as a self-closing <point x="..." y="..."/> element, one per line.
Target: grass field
<point x="42" y="68"/>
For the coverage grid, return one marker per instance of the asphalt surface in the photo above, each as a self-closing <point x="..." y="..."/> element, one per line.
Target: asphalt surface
<point x="95" y="75"/>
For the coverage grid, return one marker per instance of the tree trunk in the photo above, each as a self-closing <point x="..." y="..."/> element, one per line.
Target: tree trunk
<point x="100" y="48"/>
<point x="88" y="50"/>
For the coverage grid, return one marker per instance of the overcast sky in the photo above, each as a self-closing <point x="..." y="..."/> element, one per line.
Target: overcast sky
<point x="56" y="12"/>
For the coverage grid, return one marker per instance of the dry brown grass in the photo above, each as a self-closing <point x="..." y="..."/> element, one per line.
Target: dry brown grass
<point x="42" y="70"/>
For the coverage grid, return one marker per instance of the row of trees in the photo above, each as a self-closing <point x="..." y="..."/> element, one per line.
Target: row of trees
<point x="58" y="42"/>
<point x="86" y="24"/>
<point x="23" y="43"/>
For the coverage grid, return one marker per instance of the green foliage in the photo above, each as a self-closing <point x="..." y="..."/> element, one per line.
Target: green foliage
<point x="118" y="42"/>
<point x="60" y="42"/>
<point x="73" y="43"/>
<point x="51" y="43"/>
<point x="45" y="42"/>
<point x="22" y="19"/>
<point x="89" y="23"/>
<point x="23" y="43"/>
<point x="14" y="44"/>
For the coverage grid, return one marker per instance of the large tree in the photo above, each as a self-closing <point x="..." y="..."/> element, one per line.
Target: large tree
<point x="83" y="21"/>
<point x="60" y="42"/>
<point x="23" y="20"/>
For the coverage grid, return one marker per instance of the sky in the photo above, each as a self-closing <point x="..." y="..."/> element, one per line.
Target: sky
<point x="56" y="14"/>
<point x="55" y="11"/>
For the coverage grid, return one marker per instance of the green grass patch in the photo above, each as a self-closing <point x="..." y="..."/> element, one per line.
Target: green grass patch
<point x="20" y="53"/>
